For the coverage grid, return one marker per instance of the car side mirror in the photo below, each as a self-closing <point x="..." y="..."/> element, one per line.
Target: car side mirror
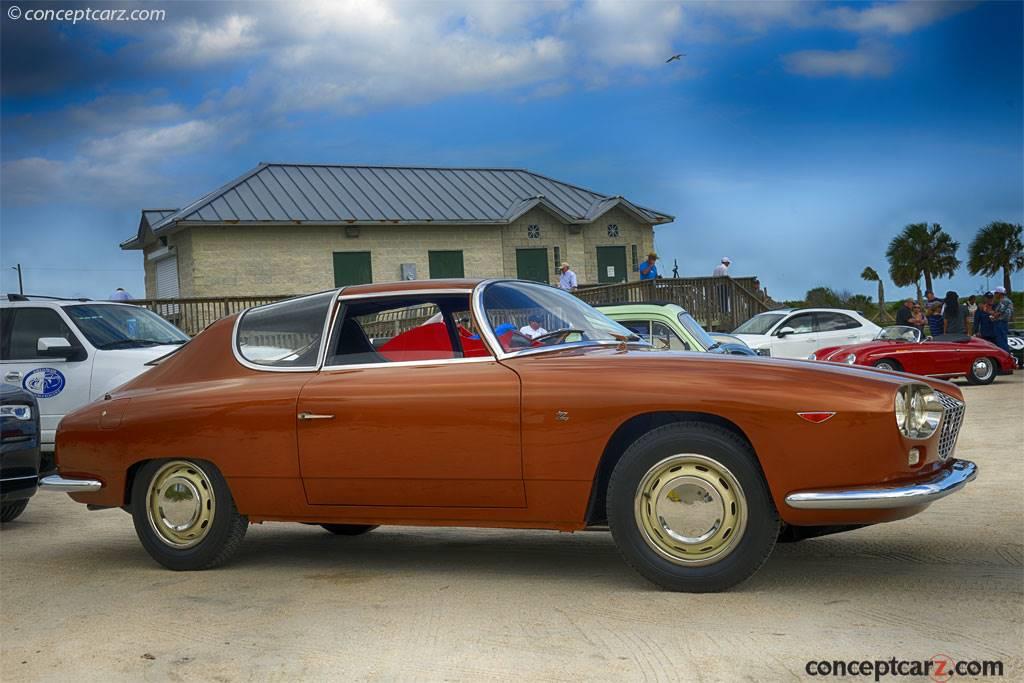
<point x="785" y="331"/>
<point x="55" y="347"/>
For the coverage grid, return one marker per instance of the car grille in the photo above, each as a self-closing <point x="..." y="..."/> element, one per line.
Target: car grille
<point x="951" y="421"/>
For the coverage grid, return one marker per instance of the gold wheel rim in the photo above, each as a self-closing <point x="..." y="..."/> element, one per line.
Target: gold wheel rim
<point x="690" y="509"/>
<point x="180" y="504"/>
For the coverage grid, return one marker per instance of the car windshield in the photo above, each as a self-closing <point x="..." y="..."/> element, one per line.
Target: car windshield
<point x="695" y="330"/>
<point x="113" y="326"/>
<point x="899" y="333"/>
<point x="523" y="315"/>
<point x="759" y="324"/>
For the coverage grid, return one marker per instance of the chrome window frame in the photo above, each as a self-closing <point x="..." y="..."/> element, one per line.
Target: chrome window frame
<point x="328" y="319"/>
<point x="492" y="340"/>
<point x="469" y="293"/>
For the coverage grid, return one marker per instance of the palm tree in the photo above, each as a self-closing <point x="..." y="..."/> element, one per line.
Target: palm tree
<point x="871" y="275"/>
<point x="920" y="250"/>
<point x="997" y="247"/>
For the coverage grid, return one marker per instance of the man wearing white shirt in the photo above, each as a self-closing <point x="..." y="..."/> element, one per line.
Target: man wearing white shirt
<point x="722" y="269"/>
<point x="533" y="329"/>
<point x="567" y="281"/>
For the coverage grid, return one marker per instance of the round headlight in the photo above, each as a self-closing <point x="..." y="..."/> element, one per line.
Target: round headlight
<point x="918" y="411"/>
<point x="813" y="356"/>
<point x="851" y="359"/>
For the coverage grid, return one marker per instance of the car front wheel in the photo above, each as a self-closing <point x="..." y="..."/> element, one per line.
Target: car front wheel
<point x="982" y="371"/>
<point x="10" y="511"/>
<point x="689" y="509"/>
<point x="184" y="514"/>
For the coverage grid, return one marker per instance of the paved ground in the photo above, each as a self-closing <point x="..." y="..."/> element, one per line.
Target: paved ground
<point x="80" y="597"/>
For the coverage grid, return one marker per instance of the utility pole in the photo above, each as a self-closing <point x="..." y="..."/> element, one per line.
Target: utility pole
<point x="21" y="287"/>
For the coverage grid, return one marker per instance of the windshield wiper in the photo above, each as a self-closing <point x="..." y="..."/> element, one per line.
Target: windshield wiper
<point x="134" y="343"/>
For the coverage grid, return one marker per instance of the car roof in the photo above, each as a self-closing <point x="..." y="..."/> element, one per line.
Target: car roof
<point x="812" y="310"/>
<point x="646" y="307"/>
<point x="467" y="284"/>
<point x="58" y="303"/>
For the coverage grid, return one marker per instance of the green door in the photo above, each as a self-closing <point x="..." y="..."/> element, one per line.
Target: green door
<point x="352" y="268"/>
<point x="611" y="265"/>
<point x="445" y="264"/>
<point x="532" y="264"/>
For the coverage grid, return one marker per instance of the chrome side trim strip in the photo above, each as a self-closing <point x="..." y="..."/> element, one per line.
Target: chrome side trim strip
<point x="886" y="497"/>
<point x="55" y="482"/>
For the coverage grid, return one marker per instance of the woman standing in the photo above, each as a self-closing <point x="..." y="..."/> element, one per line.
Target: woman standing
<point x="954" y="315"/>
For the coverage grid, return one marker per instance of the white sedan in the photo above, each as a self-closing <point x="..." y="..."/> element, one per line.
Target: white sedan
<point x="67" y="353"/>
<point x="797" y="333"/>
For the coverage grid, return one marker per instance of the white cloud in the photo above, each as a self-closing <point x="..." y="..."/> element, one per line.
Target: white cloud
<point x="897" y="18"/>
<point x="867" y="60"/>
<point x="228" y="38"/>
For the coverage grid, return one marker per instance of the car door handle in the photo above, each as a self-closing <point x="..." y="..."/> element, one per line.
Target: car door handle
<point x="13" y="376"/>
<point x="314" y="416"/>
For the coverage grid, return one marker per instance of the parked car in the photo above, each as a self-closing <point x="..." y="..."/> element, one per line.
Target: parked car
<point x="19" y="451"/>
<point x="1016" y="343"/>
<point x="670" y="327"/>
<point x="947" y="355"/>
<point x="347" y="409"/>
<point x="67" y="352"/>
<point x="794" y="333"/>
<point x="726" y="339"/>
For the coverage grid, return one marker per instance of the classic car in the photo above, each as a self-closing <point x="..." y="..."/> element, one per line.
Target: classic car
<point x="19" y="451"/>
<point x="67" y="352"/>
<point x="947" y="355"/>
<point x="670" y="327"/>
<point x="796" y="332"/>
<point x="1016" y="343"/>
<point x="423" y="403"/>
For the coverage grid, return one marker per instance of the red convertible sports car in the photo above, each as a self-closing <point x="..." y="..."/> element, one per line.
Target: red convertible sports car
<point x="946" y="355"/>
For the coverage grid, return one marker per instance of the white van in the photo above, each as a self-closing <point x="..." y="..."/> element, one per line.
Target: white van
<point x="67" y="353"/>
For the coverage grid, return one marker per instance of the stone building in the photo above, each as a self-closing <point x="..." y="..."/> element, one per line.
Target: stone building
<point x="287" y="229"/>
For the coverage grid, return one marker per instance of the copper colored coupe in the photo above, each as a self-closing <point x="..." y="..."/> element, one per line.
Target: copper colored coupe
<point x="503" y="403"/>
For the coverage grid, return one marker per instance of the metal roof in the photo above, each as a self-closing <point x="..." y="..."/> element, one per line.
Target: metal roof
<point x="333" y="194"/>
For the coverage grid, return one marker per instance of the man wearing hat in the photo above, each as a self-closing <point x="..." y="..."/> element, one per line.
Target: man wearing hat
<point x="567" y="280"/>
<point x="1002" y="314"/>
<point x="983" y="325"/>
<point x="722" y="269"/>
<point x="649" y="269"/>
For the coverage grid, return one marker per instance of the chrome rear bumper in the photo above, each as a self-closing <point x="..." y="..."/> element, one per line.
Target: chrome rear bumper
<point x="55" y="482"/>
<point x="896" y="496"/>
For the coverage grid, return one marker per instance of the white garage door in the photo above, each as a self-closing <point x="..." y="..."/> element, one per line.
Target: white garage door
<point x="167" y="284"/>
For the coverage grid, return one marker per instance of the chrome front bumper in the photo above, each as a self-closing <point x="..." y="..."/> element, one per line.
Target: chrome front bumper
<point x="55" y="482"/>
<point x="896" y="496"/>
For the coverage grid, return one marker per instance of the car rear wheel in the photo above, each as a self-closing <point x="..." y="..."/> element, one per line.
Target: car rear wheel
<point x="184" y="514"/>
<point x="10" y="511"/>
<point x="349" y="529"/>
<point x="689" y="509"/>
<point x="887" y="364"/>
<point x="982" y="371"/>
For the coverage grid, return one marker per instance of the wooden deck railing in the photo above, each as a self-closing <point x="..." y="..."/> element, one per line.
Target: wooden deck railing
<point x="718" y="303"/>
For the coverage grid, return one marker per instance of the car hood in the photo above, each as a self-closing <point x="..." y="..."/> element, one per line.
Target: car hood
<point x="862" y="348"/>
<point x="786" y="374"/>
<point x="754" y="341"/>
<point x="141" y="355"/>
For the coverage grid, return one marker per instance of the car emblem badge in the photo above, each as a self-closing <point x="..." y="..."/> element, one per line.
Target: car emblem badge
<point x="817" y="416"/>
<point x="562" y="416"/>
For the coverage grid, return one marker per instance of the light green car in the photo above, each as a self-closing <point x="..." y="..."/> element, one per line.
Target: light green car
<point x="669" y="327"/>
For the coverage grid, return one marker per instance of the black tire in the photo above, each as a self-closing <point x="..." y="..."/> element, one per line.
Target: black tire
<point x="349" y="529"/>
<point x="10" y="511"/>
<point x="979" y="377"/>
<point x="888" y="364"/>
<point x="220" y="540"/>
<point x="750" y="547"/>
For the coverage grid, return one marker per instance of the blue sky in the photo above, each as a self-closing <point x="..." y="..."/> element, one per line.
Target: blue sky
<point x="795" y="137"/>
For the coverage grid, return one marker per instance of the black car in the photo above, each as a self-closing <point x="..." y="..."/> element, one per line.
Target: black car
<point x="19" y="450"/>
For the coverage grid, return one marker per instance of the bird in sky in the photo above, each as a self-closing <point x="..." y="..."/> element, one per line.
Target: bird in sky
<point x="675" y="58"/>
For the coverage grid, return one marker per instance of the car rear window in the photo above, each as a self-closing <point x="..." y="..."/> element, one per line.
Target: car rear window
<point x="287" y="334"/>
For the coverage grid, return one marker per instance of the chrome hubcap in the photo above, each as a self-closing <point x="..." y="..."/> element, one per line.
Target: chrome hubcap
<point x="180" y="504"/>
<point x="690" y="509"/>
<point x="982" y="368"/>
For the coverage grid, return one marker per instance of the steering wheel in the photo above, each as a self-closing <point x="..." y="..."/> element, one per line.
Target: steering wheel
<point x="556" y="337"/>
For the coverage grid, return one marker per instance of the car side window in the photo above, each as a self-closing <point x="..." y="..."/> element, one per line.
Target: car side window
<point x="664" y="337"/>
<point x="801" y="323"/>
<point x="406" y="329"/>
<point x="286" y="334"/>
<point x="29" y="326"/>
<point x="830" y="322"/>
<point x="641" y="328"/>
